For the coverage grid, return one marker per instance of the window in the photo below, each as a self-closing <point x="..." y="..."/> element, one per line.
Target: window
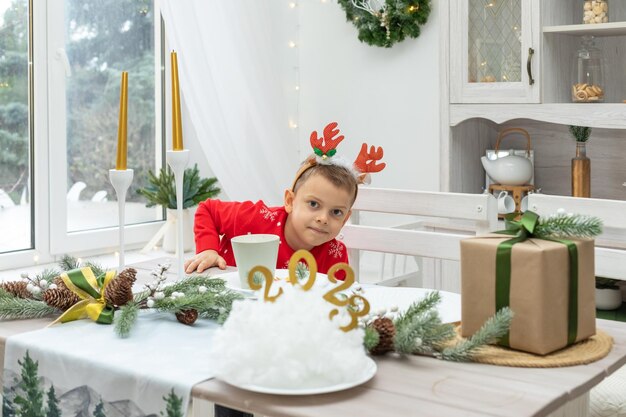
<point x="68" y="127"/>
<point x="15" y="117"/>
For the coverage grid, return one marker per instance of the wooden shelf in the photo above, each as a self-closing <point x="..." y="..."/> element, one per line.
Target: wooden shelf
<point x="598" y="115"/>
<point x="599" y="29"/>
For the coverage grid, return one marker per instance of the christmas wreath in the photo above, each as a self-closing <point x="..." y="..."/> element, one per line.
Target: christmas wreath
<point x="385" y="22"/>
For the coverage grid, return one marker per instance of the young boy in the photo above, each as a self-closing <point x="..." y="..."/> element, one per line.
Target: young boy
<point x="316" y="208"/>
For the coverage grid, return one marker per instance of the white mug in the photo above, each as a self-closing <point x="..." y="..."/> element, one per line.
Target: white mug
<point x="254" y="250"/>
<point x="524" y="204"/>
<point x="506" y="204"/>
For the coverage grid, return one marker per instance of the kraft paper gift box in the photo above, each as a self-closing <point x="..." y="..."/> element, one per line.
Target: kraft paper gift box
<point x="539" y="291"/>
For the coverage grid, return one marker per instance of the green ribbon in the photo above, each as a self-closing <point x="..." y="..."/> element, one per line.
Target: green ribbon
<point x="90" y="289"/>
<point x="521" y="230"/>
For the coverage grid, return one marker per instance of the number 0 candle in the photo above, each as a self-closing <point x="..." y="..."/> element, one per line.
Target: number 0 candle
<point x="177" y="126"/>
<point x="122" y="127"/>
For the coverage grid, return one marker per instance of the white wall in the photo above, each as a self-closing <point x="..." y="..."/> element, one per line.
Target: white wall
<point x="383" y="96"/>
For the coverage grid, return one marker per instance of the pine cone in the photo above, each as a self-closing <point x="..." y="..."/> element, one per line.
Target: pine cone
<point x="60" y="297"/>
<point x="387" y="331"/>
<point x="118" y="292"/>
<point x="58" y="281"/>
<point x="120" y="289"/>
<point x="129" y="274"/>
<point x="187" y="316"/>
<point x="17" y="288"/>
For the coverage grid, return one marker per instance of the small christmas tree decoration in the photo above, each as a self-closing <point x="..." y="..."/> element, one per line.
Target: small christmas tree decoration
<point x="387" y="332"/>
<point x="187" y="316"/>
<point x="17" y="288"/>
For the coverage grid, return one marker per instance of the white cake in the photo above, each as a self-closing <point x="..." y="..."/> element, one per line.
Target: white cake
<point x="288" y="344"/>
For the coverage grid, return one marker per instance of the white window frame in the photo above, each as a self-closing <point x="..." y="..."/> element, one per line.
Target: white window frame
<point x="49" y="184"/>
<point x="62" y="241"/>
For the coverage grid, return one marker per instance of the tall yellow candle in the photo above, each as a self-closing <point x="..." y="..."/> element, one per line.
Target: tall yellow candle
<point x="177" y="125"/>
<point x="123" y="124"/>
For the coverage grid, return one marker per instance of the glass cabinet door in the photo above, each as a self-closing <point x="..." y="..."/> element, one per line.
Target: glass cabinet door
<point x="494" y="51"/>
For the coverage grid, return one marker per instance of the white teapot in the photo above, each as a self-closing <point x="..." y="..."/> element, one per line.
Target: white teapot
<point x="511" y="169"/>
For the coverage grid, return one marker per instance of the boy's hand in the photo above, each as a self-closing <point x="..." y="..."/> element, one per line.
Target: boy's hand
<point x="204" y="260"/>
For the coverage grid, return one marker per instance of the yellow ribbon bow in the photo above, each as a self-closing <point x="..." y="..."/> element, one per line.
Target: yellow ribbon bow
<point x="90" y="289"/>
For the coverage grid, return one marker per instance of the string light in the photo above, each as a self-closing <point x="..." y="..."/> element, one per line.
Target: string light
<point x="294" y="116"/>
<point x="36" y="258"/>
<point x="79" y="261"/>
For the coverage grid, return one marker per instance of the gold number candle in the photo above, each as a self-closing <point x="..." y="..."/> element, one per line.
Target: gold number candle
<point x="177" y="126"/>
<point x="122" y="126"/>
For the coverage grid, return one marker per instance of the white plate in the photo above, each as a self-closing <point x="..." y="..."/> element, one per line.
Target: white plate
<point x="233" y="283"/>
<point x="368" y="372"/>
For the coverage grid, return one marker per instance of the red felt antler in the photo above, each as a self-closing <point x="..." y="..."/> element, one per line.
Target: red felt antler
<point x="327" y="143"/>
<point x="367" y="161"/>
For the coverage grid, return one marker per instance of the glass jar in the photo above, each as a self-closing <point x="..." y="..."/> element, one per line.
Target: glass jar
<point x="588" y="84"/>
<point x="595" y="11"/>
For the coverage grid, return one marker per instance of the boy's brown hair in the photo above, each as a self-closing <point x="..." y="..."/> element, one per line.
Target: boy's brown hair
<point x="340" y="176"/>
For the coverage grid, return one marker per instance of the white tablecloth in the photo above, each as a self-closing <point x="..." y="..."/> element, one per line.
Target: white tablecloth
<point x="86" y="362"/>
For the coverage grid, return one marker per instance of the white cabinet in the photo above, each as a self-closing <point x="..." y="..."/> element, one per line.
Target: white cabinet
<point x="494" y="51"/>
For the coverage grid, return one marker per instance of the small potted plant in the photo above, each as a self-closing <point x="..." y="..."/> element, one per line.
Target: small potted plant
<point x="162" y="191"/>
<point x="608" y="294"/>
<point x="581" y="164"/>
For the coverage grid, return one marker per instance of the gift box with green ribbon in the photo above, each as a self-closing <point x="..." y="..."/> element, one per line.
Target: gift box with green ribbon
<point x="547" y="282"/>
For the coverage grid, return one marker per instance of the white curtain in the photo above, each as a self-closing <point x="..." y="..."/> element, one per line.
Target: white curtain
<point x="230" y="84"/>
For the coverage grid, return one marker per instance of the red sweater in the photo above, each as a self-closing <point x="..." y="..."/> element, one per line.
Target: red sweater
<point x="215" y="218"/>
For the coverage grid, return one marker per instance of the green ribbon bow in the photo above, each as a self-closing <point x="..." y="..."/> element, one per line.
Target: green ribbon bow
<point x="521" y="230"/>
<point x="90" y="290"/>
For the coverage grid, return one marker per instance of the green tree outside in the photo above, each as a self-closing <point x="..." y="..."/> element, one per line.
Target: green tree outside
<point x="14" y="161"/>
<point x="29" y="400"/>
<point x="104" y="38"/>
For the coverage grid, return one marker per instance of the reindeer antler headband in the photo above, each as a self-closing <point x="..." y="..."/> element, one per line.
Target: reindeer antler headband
<point x="324" y="153"/>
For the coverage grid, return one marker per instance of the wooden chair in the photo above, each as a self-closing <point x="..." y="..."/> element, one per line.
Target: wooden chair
<point x="610" y="259"/>
<point x="479" y="210"/>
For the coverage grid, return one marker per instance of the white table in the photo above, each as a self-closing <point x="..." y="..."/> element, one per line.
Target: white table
<point x="420" y="386"/>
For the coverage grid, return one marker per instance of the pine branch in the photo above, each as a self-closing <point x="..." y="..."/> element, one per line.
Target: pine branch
<point x="302" y="271"/>
<point x="68" y="262"/>
<point x="13" y="308"/>
<point x="5" y="294"/>
<point x="190" y="285"/>
<point x="421" y="333"/>
<point x="371" y="339"/>
<point x="48" y="274"/>
<point x="428" y="302"/>
<point x="565" y="225"/>
<point x="125" y="318"/>
<point x="494" y="328"/>
<point x="201" y="302"/>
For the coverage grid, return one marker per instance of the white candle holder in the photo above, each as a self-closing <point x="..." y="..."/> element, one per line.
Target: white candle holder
<point x="178" y="160"/>
<point x="121" y="180"/>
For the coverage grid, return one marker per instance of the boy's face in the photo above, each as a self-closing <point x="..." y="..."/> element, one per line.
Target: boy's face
<point x="317" y="212"/>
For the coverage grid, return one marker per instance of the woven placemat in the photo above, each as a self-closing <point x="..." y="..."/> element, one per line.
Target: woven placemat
<point x="586" y="351"/>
